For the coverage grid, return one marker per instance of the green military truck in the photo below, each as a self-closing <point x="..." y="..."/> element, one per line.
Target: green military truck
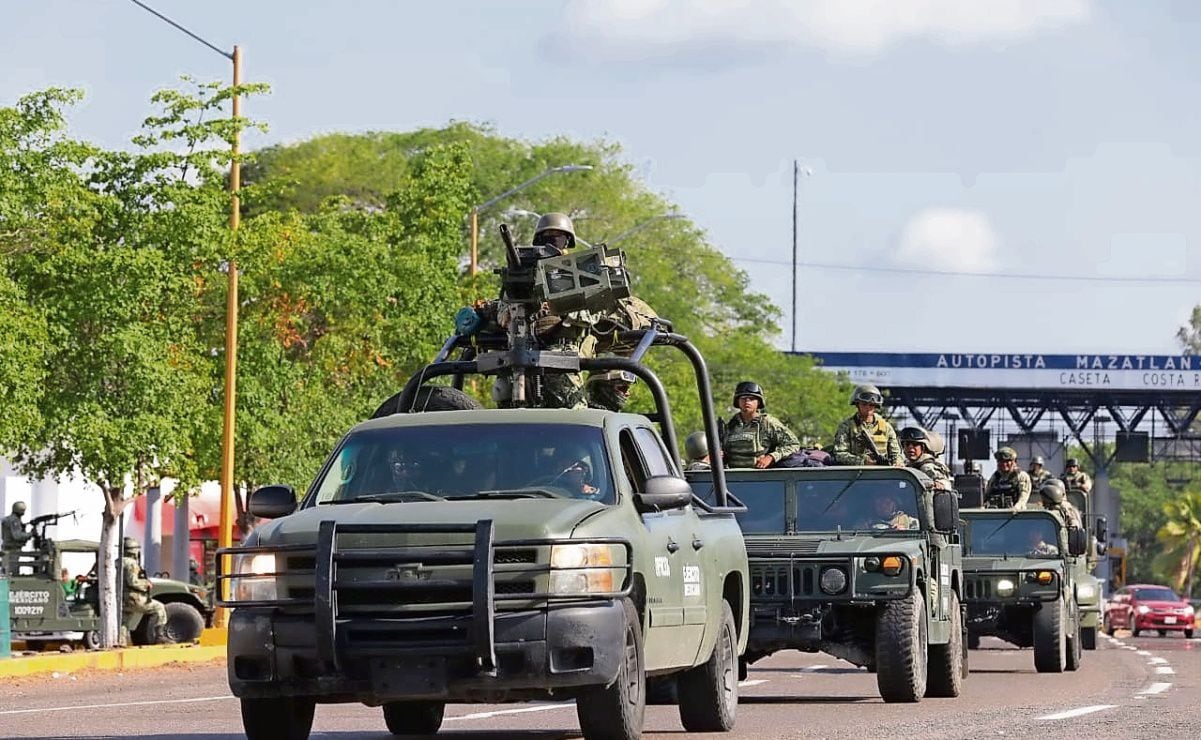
<point x="1021" y="569"/>
<point x="1088" y="586"/>
<point x="495" y="555"/>
<point x="862" y="563"/>
<point x="42" y="612"/>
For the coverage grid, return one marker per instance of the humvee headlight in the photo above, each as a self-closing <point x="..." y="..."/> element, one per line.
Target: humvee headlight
<point x="1085" y="591"/>
<point x="892" y="565"/>
<point x="583" y="569"/>
<point x="833" y="581"/>
<point x="258" y="580"/>
<point x="1006" y="587"/>
<point x="871" y="564"/>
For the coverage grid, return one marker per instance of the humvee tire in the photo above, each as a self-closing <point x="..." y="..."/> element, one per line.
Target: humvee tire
<point x="414" y="717"/>
<point x="1075" y="650"/>
<point x="901" y="649"/>
<point x="184" y="623"/>
<point x="288" y="718"/>
<point x="615" y="712"/>
<point x="946" y="662"/>
<point x="1088" y="638"/>
<point x="91" y="640"/>
<point x="708" y="694"/>
<point x="430" y="398"/>
<point x="1050" y="644"/>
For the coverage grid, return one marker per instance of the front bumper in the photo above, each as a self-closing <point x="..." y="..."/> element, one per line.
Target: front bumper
<point x="538" y="651"/>
<point x="1153" y="621"/>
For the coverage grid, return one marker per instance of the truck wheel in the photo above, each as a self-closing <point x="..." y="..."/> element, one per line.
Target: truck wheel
<point x="614" y="712"/>
<point x="285" y="718"/>
<point x="1107" y="626"/>
<point x="184" y="623"/>
<point x="1050" y="644"/>
<point x="1088" y="638"/>
<point x="901" y="648"/>
<point x="414" y="717"/>
<point x="430" y="398"/>
<point x="946" y="661"/>
<point x="1075" y="649"/>
<point x="91" y="640"/>
<point x="1135" y="631"/>
<point x="709" y="692"/>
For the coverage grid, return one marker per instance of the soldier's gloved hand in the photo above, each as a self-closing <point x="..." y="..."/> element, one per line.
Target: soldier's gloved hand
<point x="764" y="461"/>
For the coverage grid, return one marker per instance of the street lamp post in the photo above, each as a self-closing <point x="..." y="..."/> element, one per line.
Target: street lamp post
<point x="225" y="529"/>
<point x="639" y="227"/>
<point x="475" y="210"/>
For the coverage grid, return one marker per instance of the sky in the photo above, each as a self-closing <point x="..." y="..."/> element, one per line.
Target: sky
<point x="993" y="176"/>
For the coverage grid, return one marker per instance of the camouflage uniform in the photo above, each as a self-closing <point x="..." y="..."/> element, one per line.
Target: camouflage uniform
<point x="1043" y="549"/>
<point x="1069" y="513"/>
<point x="13" y="536"/>
<point x="698" y="466"/>
<point x="743" y="442"/>
<point x="1079" y="481"/>
<point x="1039" y="478"/>
<point x="895" y="520"/>
<point x="1007" y="490"/>
<point x="934" y="469"/>
<point x="851" y="442"/>
<point x="137" y="599"/>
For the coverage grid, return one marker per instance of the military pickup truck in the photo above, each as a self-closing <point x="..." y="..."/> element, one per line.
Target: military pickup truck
<point x="862" y="563"/>
<point x="1020" y="571"/>
<point x="496" y="555"/>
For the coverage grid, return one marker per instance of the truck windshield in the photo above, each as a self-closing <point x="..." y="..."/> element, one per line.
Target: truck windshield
<point x="858" y="503"/>
<point x="475" y="461"/>
<point x="765" y="504"/>
<point x="1026" y="537"/>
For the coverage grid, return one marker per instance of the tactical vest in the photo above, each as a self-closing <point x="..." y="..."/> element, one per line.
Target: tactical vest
<point x="1003" y="491"/>
<point x="743" y="443"/>
<point x="878" y="431"/>
<point x="932" y="467"/>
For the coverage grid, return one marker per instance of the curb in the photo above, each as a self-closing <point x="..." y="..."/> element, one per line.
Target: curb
<point x="151" y="656"/>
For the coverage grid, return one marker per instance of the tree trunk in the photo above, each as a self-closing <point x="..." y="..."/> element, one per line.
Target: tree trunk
<point x="108" y="571"/>
<point x="245" y="522"/>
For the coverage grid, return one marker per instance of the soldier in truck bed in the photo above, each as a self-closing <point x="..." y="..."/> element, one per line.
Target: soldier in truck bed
<point x="866" y="438"/>
<point x="753" y="438"/>
<point x="1010" y="486"/>
<point x="916" y="443"/>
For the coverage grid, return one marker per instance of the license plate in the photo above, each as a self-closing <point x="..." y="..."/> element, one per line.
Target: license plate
<point x="1169" y="620"/>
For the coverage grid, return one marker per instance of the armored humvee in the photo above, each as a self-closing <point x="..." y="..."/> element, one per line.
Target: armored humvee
<point x="862" y="563"/>
<point x="496" y="555"/>
<point x="1021" y="571"/>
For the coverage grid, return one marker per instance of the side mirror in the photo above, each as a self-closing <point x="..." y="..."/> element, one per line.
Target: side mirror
<point x="1102" y="530"/>
<point x="946" y="511"/>
<point x="272" y="502"/>
<point x="1077" y="541"/>
<point x="664" y="492"/>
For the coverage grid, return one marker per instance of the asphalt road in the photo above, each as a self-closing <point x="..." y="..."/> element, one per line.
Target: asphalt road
<point x="1145" y="687"/>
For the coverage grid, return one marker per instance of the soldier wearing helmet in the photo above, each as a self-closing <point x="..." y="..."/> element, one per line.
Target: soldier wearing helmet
<point x="753" y="438"/>
<point x="919" y="447"/>
<point x="610" y="390"/>
<point x="1053" y="496"/>
<point x="12" y="531"/>
<point x="137" y="603"/>
<point x="1074" y="478"/>
<point x="1038" y="472"/>
<point x="1010" y="486"/>
<point x="696" y="450"/>
<point x="555" y="234"/>
<point x="866" y="438"/>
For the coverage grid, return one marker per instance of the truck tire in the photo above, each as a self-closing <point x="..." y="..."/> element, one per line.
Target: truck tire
<point x="430" y="398"/>
<point x="1088" y="638"/>
<point x="1075" y="650"/>
<point x="285" y="718"/>
<point x="901" y="648"/>
<point x="91" y="640"/>
<point x="615" y="712"/>
<point x="709" y="692"/>
<point x="414" y="717"/>
<point x="184" y="623"/>
<point x="1050" y="644"/>
<point x="946" y="661"/>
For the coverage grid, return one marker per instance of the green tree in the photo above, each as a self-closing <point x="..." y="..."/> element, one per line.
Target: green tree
<point x="1181" y="536"/>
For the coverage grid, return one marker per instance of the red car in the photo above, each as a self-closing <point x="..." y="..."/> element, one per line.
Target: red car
<point x="1145" y="607"/>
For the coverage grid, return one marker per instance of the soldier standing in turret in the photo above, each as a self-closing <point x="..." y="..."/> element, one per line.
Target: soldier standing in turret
<point x="1038" y="473"/>
<point x="13" y="535"/>
<point x="917" y="446"/>
<point x="1075" y="478"/>
<point x="753" y="438"/>
<point x="1009" y="487"/>
<point x="1053" y="497"/>
<point x="866" y="438"/>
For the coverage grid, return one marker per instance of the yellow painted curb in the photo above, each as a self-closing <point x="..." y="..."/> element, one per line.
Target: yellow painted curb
<point x="214" y="636"/>
<point x="110" y="660"/>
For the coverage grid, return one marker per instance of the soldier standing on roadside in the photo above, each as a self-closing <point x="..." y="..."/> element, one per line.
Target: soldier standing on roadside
<point x="1038" y="473"/>
<point x="753" y="438"/>
<point x="1075" y="478"/>
<point x="1009" y="487"/>
<point x="138" y="603"/>
<point x="866" y="438"/>
<point x="917" y="445"/>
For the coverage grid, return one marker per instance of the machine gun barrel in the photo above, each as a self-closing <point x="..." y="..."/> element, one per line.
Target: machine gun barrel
<point x="51" y="518"/>
<point x="514" y="260"/>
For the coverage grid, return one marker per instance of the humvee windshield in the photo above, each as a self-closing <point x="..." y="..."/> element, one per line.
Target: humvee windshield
<point x="1026" y="537"/>
<point x="822" y="505"/>
<point x="476" y="461"/>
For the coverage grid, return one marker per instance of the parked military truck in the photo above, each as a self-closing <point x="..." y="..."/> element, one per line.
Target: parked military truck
<point x="496" y="554"/>
<point x="863" y="563"/>
<point x="1020" y="571"/>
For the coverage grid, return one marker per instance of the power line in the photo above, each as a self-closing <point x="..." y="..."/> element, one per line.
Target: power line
<point x="152" y="11"/>
<point x="991" y="275"/>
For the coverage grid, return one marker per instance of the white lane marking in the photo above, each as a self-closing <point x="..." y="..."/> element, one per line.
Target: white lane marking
<point x="1144" y="652"/>
<point x="1156" y="688"/>
<point x="74" y="707"/>
<point x="522" y="710"/>
<point x="1077" y="712"/>
<point x="752" y="682"/>
<point x="1165" y="670"/>
<point x="1130" y="647"/>
<point x="1157" y="661"/>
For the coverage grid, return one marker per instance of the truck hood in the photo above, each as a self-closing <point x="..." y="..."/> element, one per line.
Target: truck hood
<point x="827" y="544"/>
<point x="991" y="563"/>
<point x="514" y="519"/>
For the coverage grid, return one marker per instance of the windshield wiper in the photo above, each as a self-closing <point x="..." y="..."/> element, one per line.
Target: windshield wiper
<point x="845" y="488"/>
<point x="389" y="498"/>
<point x="533" y="492"/>
<point x="997" y="531"/>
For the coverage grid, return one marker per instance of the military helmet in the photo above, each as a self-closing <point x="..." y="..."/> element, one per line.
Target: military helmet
<point x="555" y="222"/>
<point x="1005" y="453"/>
<point x="614" y="376"/>
<point x="1038" y="460"/>
<point x="19" y="508"/>
<point x="938" y="445"/>
<point x="696" y="446"/>
<point x="611" y="390"/>
<point x="131" y="545"/>
<point x="867" y="394"/>
<point x="1053" y="491"/>
<point x="1072" y="462"/>
<point x="915" y="434"/>
<point x="752" y="389"/>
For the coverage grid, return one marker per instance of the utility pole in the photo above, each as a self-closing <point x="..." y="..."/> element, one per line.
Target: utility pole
<point x="795" y="177"/>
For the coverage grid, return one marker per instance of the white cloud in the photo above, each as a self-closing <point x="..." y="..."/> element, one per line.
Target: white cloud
<point x="640" y="29"/>
<point x="949" y="239"/>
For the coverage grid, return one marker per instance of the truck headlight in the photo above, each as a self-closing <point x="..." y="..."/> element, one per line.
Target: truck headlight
<point x="258" y="577"/>
<point x="1085" y="591"/>
<point x="833" y="581"/>
<point x="585" y="569"/>
<point x="1005" y="587"/>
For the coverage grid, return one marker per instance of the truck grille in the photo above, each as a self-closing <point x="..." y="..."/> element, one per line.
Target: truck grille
<point x="787" y="580"/>
<point x="979" y="588"/>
